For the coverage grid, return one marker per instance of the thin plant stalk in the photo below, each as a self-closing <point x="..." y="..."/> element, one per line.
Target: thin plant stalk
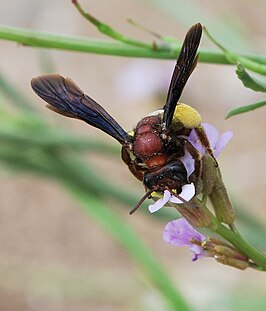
<point x="128" y="239"/>
<point x="81" y="44"/>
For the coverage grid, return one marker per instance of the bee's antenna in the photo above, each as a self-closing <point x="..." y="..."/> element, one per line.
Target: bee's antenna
<point x="146" y="195"/>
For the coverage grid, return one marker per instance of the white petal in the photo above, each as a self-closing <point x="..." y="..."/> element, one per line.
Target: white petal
<point x="188" y="162"/>
<point x="187" y="193"/>
<point x="160" y="203"/>
<point x="174" y="199"/>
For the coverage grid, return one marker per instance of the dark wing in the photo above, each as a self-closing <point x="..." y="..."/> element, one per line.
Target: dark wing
<point x="66" y="98"/>
<point x="186" y="63"/>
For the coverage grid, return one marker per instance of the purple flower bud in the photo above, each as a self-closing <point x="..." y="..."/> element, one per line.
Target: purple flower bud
<point x="180" y="233"/>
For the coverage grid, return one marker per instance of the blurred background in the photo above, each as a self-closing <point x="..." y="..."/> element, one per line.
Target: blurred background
<point x="54" y="257"/>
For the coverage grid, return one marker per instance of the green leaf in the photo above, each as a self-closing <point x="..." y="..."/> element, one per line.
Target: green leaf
<point x="248" y="81"/>
<point x="246" y="108"/>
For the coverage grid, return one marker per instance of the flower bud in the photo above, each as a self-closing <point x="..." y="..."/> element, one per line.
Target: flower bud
<point x="236" y="263"/>
<point x="198" y="215"/>
<point x="229" y="251"/>
<point x="220" y="201"/>
<point x="225" y="253"/>
<point x="209" y="173"/>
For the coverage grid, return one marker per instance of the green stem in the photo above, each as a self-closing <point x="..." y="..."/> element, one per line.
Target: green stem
<point x="130" y="241"/>
<point x="72" y="43"/>
<point x="109" y="31"/>
<point x="55" y="140"/>
<point x="235" y="58"/>
<point x="237" y="240"/>
<point x="70" y="172"/>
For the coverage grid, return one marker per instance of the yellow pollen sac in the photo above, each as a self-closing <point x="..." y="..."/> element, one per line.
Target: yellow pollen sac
<point x="157" y="195"/>
<point x="188" y="116"/>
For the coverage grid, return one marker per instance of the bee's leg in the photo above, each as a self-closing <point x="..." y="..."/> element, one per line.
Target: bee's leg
<point x="197" y="175"/>
<point x="131" y="163"/>
<point x="205" y="141"/>
<point x="205" y="172"/>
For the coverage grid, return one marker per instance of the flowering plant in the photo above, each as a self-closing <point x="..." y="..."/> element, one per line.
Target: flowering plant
<point x="52" y="152"/>
<point x="193" y="208"/>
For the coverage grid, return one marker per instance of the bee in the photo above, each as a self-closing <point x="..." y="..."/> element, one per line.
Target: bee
<point x="152" y="151"/>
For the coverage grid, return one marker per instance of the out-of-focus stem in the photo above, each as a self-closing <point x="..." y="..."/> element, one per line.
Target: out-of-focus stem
<point x="88" y="45"/>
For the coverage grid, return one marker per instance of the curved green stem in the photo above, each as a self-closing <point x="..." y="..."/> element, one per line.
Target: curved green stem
<point x="88" y="45"/>
<point x="122" y="232"/>
<point x="234" y="58"/>
<point x="109" y="31"/>
<point x="240" y="243"/>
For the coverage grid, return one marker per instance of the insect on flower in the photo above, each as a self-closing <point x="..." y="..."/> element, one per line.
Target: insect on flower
<point x="154" y="150"/>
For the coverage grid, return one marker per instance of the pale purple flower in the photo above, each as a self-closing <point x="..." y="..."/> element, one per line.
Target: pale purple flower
<point x="217" y="145"/>
<point x="180" y="233"/>
<point x="187" y="193"/>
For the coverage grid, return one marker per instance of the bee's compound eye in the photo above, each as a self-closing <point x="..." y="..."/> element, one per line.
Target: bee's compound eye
<point x="160" y="177"/>
<point x="148" y="180"/>
<point x="178" y="171"/>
